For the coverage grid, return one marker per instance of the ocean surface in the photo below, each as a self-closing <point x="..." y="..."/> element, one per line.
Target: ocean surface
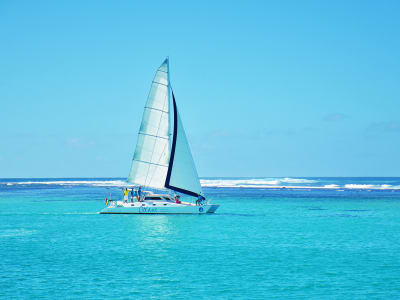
<point x="271" y="238"/>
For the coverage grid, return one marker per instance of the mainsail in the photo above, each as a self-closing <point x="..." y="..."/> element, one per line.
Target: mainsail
<point x="159" y="162"/>
<point x="150" y="161"/>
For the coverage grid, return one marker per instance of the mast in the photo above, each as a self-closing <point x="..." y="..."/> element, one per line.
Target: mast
<point x="169" y="107"/>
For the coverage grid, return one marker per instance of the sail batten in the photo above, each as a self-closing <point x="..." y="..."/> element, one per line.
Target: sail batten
<point x="152" y="163"/>
<point x="148" y="134"/>
<point x="164" y="111"/>
<point x="160" y="83"/>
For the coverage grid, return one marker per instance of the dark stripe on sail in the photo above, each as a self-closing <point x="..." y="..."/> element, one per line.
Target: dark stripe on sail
<point x="171" y="159"/>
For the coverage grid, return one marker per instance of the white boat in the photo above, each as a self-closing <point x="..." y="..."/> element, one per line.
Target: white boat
<point x="162" y="160"/>
<point x="157" y="204"/>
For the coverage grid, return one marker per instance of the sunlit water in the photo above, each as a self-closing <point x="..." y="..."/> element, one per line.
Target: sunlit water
<point x="261" y="244"/>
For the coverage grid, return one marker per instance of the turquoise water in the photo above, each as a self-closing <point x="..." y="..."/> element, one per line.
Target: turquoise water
<point x="275" y="244"/>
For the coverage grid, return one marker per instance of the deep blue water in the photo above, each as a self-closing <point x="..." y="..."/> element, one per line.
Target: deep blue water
<point x="309" y="240"/>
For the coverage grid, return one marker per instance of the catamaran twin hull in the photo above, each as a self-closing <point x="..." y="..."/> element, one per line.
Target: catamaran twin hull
<point x="149" y="208"/>
<point x="162" y="159"/>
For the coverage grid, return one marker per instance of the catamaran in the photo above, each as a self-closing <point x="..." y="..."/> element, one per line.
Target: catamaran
<point x="162" y="160"/>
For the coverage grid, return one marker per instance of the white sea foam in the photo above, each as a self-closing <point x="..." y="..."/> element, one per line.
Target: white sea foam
<point x="297" y="180"/>
<point x="331" y="186"/>
<point x="372" y="186"/>
<point x="237" y="182"/>
<point x="386" y="186"/>
<point x="359" y="186"/>
<point x="255" y="183"/>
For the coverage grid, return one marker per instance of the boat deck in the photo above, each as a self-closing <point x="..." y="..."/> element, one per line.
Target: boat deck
<point x="157" y="207"/>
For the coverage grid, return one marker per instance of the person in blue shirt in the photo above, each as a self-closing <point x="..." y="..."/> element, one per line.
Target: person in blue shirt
<point x="139" y="193"/>
<point x="132" y="194"/>
<point x="200" y="199"/>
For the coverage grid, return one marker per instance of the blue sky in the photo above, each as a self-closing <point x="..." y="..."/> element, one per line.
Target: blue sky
<point x="264" y="88"/>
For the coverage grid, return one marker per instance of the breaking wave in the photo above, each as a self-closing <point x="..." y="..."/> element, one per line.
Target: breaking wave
<point x="371" y="186"/>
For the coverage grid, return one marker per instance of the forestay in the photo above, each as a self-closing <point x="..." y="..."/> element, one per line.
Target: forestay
<point x="150" y="160"/>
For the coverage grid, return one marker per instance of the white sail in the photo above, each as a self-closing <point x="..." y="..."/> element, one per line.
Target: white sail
<point x="150" y="161"/>
<point x="182" y="175"/>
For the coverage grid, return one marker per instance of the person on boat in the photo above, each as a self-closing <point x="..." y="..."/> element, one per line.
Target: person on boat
<point x="200" y="199"/>
<point x="177" y="199"/>
<point x="139" y="193"/>
<point x="126" y="193"/>
<point x="132" y="194"/>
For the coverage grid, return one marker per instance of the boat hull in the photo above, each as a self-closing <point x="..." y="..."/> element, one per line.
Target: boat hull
<point x="169" y="209"/>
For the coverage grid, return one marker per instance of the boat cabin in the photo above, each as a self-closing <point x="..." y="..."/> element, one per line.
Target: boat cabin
<point x="158" y="197"/>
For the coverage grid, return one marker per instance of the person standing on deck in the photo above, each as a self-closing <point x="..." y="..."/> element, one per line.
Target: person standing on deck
<point x="132" y="194"/>
<point x="139" y="193"/>
<point x="126" y="193"/>
<point x="200" y="199"/>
